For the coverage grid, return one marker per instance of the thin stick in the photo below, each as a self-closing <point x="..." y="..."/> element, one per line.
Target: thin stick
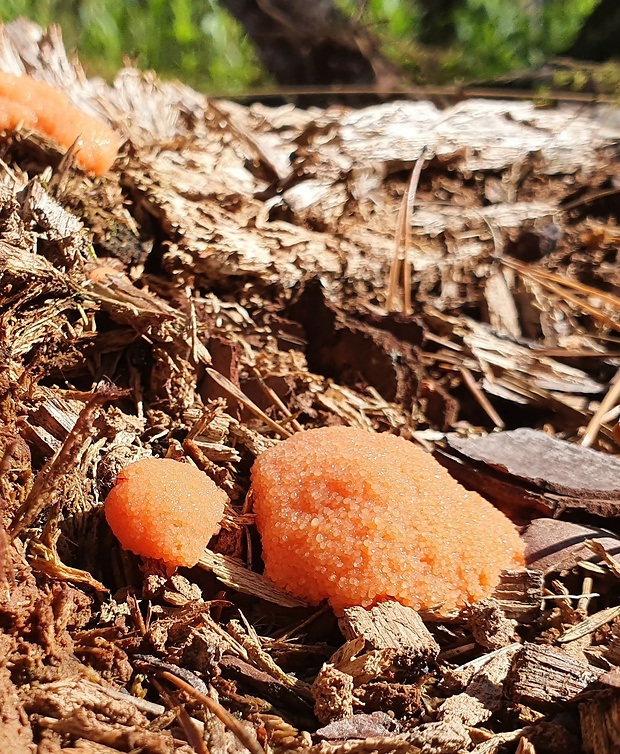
<point x="395" y="266"/>
<point x="608" y="402"/>
<point x="402" y="241"/>
<point x="277" y="400"/>
<point x="216" y="708"/>
<point x="233" y="390"/>
<point x="481" y="398"/>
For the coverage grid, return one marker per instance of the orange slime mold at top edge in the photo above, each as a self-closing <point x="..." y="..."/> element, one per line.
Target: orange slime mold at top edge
<point x="161" y="508"/>
<point x="53" y="114"/>
<point x="356" y="517"/>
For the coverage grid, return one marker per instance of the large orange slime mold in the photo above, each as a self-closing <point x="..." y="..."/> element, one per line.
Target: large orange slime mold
<point x="357" y="517"/>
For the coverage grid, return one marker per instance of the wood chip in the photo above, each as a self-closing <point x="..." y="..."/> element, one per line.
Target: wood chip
<point x="600" y="723"/>
<point x="236" y="576"/>
<point x="531" y="469"/>
<point x="388" y="636"/>
<point x="542" y="677"/>
<point x="519" y="594"/>
<point x="333" y="697"/>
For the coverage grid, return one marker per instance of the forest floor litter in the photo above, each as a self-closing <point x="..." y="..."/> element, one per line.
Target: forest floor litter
<point x="224" y="286"/>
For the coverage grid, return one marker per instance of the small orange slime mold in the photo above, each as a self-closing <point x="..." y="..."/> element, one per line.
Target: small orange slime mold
<point x="356" y="518"/>
<point x="26" y="102"/>
<point x="160" y="508"/>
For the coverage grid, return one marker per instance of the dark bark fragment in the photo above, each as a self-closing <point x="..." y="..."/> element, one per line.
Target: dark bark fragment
<point x="600" y="723"/>
<point x="526" y="468"/>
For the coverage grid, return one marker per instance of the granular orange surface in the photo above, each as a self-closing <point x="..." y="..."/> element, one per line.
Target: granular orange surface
<point x="357" y="517"/>
<point x="164" y="509"/>
<point x="30" y="103"/>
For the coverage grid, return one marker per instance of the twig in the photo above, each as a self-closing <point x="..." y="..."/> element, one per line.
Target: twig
<point x="481" y="398"/>
<point x="193" y="732"/>
<point x="610" y="400"/>
<point x="249" y="741"/>
<point x="233" y="390"/>
<point x="277" y="400"/>
<point x="589" y="625"/>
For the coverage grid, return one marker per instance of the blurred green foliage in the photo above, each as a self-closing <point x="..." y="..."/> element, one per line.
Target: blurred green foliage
<point x="198" y="42"/>
<point x="496" y="36"/>
<point x="193" y="40"/>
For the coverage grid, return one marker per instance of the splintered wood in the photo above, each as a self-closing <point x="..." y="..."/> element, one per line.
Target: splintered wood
<point x="388" y="636"/>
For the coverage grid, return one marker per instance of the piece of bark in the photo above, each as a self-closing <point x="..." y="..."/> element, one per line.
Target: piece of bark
<point x="543" y="677"/>
<point x="235" y="575"/>
<point x="264" y="684"/>
<point x="333" y="696"/>
<point x="347" y="348"/>
<point x="403" y="699"/>
<point x="600" y="723"/>
<point x="612" y="653"/>
<point x="443" y="737"/>
<point x="489" y="625"/>
<point x="526" y="468"/>
<point x="484" y="694"/>
<point x="519" y="593"/>
<point x="559" y="545"/>
<point x="359" y="726"/>
<point x="386" y="637"/>
<point x="551" y="737"/>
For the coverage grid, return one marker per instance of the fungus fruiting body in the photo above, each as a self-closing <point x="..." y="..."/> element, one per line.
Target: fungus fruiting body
<point x="164" y="509"/>
<point x="29" y="103"/>
<point x="357" y="517"/>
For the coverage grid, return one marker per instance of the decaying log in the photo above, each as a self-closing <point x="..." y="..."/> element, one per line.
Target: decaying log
<point x="542" y="677"/>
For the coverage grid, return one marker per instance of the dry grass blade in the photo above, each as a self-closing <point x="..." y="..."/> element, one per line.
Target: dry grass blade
<point x="481" y="398"/>
<point x="250" y="641"/>
<point x="402" y="241"/>
<point x="247" y="739"/>
<point x="276" y="400"/>
<point x="46" y="561"/>
<point x="589" y="625"/>
<point x="608" y="402"/>
<point x="604" y="555"/>
<point x="233" y="390"/>
<point x="235" y="575"/>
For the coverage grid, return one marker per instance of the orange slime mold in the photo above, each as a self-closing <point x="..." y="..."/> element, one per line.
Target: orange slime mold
<point x="164" y="509"/>
<point x="356" y="517"/>
<point x="29" y="103"/>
